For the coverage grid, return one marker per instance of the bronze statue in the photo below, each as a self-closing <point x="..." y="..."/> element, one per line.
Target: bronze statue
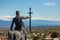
<point x="19" y="27"/>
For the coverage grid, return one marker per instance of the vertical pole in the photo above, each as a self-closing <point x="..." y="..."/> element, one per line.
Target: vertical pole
<point x="30" y="19"/>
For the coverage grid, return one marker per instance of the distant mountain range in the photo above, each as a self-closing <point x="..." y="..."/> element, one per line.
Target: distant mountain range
<point x="6" y="24"/>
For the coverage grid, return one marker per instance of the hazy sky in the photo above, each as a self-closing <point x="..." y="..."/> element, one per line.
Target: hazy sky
<point x="40" y="8"/>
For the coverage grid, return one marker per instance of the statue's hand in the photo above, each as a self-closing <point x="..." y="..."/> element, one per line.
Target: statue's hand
<point x="28" y="16"/>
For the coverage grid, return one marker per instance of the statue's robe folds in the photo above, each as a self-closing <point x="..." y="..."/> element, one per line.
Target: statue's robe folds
<point x="17" y="35"/>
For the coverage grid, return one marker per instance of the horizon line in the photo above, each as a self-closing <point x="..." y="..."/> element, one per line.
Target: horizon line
<point x="33" y="18"/>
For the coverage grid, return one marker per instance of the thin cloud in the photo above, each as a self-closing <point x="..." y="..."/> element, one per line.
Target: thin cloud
<point x="50" y="4"/>
<point x="6" y="17"/>
<point x="33" y="18"/>
<point x="39" y="18"/>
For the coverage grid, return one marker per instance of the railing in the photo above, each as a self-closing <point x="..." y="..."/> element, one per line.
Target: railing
<point x="50" y="39"/>
<point x="4" y="38"/>
<point x="53" y="39"/>
<point x="45" y="39"/>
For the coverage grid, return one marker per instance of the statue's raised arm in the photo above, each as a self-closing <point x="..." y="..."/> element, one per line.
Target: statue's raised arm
<point x="26" y="17"/>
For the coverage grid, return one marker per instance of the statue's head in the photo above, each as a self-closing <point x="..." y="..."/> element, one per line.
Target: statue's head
<point x="17" y="13"/>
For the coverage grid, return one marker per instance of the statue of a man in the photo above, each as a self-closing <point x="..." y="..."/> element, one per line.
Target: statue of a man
<point x="19" y="27"/>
